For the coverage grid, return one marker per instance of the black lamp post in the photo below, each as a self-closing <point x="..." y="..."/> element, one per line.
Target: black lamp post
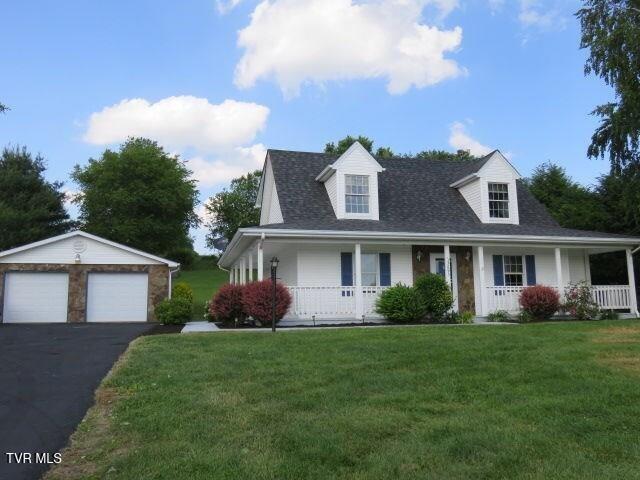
<point x="274" y="268"/>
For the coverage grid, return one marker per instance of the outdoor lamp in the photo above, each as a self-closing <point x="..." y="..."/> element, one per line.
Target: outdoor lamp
<point x="274" y="263"/>
<point x="274" y="267"/>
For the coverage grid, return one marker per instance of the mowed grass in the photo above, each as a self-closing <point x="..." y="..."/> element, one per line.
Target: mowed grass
<point x="204" y="278"/>
<point x="492" y="402"/>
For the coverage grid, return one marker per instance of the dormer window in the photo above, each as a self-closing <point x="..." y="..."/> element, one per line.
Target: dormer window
<point x="499" y="200"/>
<point x="356" y="189"/>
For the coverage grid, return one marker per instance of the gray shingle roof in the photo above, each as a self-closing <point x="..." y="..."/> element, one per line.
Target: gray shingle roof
<point x="414" y="196"/>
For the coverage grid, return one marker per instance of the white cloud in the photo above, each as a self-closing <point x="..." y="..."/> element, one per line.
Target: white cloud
<point x="179" y="122"/>
<point x="495" y="5"/>
<point x="225" y="167"/>
<point x="460" y="140"/>
<point x="315" y="41"/>
<point x="534" y="13"/>
<point x="225" y="6"/>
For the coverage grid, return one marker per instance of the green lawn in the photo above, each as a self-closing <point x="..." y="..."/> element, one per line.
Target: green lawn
<point x="527" y="401"/>
<point x="205" y="278"/>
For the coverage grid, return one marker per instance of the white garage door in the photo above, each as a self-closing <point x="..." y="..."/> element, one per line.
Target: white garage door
<point x="117" y="297"/>
<point x="31" y="297"/>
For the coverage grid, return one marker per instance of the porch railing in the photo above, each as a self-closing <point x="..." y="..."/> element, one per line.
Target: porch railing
<point x="331" y="302"/>
<point x="606" y="296"/>
<point x="612" y="296"/>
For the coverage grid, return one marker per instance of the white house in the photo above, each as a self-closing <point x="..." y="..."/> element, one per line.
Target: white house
<point x="346" y="228"/>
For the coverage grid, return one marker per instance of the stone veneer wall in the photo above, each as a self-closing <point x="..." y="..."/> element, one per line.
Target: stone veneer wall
<point x="466" y="293"/>
<point x="78" y="276"/>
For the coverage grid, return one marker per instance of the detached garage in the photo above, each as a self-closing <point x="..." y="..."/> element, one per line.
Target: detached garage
<point x="79" y="277"/>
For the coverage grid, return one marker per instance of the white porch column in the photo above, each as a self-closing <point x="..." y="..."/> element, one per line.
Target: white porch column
<point x="260" y="261"/>
<point x="358" y="283"/>
<point x="231" y="274"/>
<point x="447" y="264"/>
<point x="483" y="302"/>
<point x="587" y="267"/>
<point x="559" y="271"/>
<point x="243" y="271"/>
<point x="632" y="283"/>
<point x="251" y="266"/>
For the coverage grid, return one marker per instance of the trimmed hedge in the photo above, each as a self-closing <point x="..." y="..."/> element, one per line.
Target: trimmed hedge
<point x="539" y="301"/>
<point x="182" y="290"/>
<point x="401" y="304"/>
<point x="226" y="305"/>
<point x="435" y="294"/>
<point x="257" y="301"/>
<point x="173" y="311"/>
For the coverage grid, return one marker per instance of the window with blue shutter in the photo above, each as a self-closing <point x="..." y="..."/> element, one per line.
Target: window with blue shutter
<point x="346" y="266"/>
<point x="530" y="262"/>
<point x="385" y="269"/>
<point x="498" y="271"/>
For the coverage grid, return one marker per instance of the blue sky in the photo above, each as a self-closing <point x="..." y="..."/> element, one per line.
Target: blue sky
<point x="218" y="82"/>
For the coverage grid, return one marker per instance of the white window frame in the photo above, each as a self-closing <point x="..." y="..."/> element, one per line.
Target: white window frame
<point x="348" y="194"/>
<point x="505" y="273"/>
<point x="503" y="202"/>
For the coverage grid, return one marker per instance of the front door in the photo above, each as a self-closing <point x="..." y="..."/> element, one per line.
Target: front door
<point x="437" y="266"/>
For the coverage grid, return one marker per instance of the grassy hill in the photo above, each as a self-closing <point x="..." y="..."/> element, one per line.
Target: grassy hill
<point x="205" y="278"/>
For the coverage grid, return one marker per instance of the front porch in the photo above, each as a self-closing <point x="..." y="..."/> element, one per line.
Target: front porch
<point x="331" y="281"/>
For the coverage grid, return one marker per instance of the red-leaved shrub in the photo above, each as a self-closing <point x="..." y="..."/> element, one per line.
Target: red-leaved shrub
<point x="226" y="305"/>
<point x="257" y="300"/>
<point x="540" y="301"/>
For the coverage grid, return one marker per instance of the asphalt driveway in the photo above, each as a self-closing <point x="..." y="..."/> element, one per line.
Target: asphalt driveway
<point x="48" y="374"/>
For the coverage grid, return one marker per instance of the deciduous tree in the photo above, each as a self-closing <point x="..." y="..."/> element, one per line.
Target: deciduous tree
<point x="140" y="196"/>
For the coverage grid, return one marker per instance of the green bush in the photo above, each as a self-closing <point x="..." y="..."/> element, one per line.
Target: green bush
<point x="609" y="315"/>
<point x="499" y="316"/>
<point x="465" y="318"/>
<point x="173" y="311"/>
<point x="182" y="290"/>
<point x="435" y="294"/>
<point x="401" y="304"/>
<point x="185" y="256"/>
<point x="579" y="302"/>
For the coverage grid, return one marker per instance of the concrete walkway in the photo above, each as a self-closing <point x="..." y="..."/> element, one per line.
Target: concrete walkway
<point x="199" y="327"/>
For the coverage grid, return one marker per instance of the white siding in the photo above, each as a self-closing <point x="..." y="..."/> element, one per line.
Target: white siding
<point x="331" y="184"/>
<point x="472" y="194"/>
<point x="544" y="258"/>
<point x="270" y="212"/>
<point x="357" y="161"/>
<point x="64" y="251"/>
<point x="320" y="265"/>
<point x="498" y="170"/>
<point x="577" y="271"/>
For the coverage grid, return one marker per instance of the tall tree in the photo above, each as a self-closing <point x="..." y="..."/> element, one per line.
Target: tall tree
<point x="569" y="203"/>
<point x="232" y="209"/>
<point x="344" y="144"/>
<point x="611" y="32"/>
<point x="140" y="196"/>
<point x="31" y="208"/>
<point x="444" y="155"/>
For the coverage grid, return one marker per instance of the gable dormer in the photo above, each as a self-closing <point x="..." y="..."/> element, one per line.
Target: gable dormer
<point x="267" y="200"/>
<point x="491" y="190"/>
<point x="352" y="184"/>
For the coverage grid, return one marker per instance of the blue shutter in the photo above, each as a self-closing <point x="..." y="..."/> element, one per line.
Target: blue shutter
<point x="346" y="263"/>
<point x="530" y="262"/>
<point x="498" y="271"/>
<point x="385" y="269"/>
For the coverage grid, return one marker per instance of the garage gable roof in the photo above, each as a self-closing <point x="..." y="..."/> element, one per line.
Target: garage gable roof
<point x="104" y="241"/>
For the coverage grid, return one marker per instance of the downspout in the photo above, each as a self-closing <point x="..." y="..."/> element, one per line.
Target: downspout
<point x="171" y="272"/>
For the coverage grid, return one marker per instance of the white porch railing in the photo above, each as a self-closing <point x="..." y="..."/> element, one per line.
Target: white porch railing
<point x="504" y="298"/>
<point x="612" y="296"/>
<point x="606" y="296"/>
<point x="332" y="302"/>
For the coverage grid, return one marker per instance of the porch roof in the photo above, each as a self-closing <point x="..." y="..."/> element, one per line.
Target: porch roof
<point x="244" y="238"/>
